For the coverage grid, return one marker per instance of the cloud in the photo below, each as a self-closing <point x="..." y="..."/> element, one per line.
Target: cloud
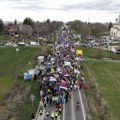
<point x="106" y="5"/>
<point x="25" y="4"/>
<point x="95" y="10"/>
<point x="34" y="5"/>
<point x="95" y="5"/>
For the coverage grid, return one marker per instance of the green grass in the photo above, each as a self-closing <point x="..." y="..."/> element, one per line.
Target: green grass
<point x="98" y="53"/>
<point x="107" y="76"/>
<point x="4" y="38"/>
<point x="5" y="83"/>
<point x="114" y="44"/>
<point x="24" y="113"/>
<point x="12" y="66"/>
<point x="89" y="93"/>
<point x="14" y="63"/>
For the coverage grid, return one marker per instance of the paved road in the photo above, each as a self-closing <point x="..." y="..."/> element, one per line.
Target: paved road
<point x="70" y="107"/>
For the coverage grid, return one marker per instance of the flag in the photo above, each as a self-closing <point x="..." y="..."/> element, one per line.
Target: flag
<point x="79" y="52"/>
<point x="63" y="87"/>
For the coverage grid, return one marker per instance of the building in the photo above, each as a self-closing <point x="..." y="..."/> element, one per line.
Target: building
<point x="115" y="30"/>
<point x="118" y="49"/>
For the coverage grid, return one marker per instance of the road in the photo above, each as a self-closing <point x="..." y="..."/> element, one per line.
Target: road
<point x="70" y="107"/>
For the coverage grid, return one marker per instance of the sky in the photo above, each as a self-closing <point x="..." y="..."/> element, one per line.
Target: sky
<point x="60" y="10"/>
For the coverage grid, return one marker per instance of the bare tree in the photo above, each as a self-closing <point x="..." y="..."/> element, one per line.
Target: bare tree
<point x="25" y="32"/>
<point x="1" y="26"/>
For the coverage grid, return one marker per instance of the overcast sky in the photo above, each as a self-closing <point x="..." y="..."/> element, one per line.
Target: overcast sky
<point x="62" y="10"/>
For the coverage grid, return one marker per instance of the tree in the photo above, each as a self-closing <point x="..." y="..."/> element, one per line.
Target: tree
<point x="1" y="26"/>
<point x="25" y="32"/>
<point x="28" y="21"/>
<point x="82" y="28"/>
<point x="48" y="21"/>
<point x="110" y="25"/>
<point x="15" y="22"/>
<point x="99" y="29"/>
<point x="86" y="31"/>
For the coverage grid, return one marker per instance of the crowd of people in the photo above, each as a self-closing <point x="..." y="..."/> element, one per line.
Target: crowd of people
<point x="59" y="78"/>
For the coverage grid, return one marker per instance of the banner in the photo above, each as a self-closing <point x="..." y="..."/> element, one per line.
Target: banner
<point x="67" y="63"/>
<point x="79" y="52"/>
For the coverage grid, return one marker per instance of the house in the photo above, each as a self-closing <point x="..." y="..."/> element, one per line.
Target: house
<point x="105" y="39"/>
<point x="115" y="30"/>
<point x="112" y="48"/>
<point x="118" y="49"/>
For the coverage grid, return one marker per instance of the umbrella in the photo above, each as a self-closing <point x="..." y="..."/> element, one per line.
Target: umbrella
<point x="66" y="75"/>
<point x="52" y="79"/>
<point x="63" y="87"/>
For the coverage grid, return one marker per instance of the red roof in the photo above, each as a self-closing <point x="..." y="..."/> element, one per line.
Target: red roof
<point x="118" y="47"/>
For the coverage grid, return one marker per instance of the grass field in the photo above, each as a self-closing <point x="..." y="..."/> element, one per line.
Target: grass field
<point x="106" y="76"/>
<point x="24" y="113"/>
<point x="13" y="63"/>
<point x="14" y="91"/>
<point x="4" y="38"/>
<point x="98" y="53"/>
<point x="114" y="44"/>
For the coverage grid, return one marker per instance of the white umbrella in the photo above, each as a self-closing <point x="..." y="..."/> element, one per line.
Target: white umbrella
<point x="52" y="79"/>
<point x="62" y="87"/>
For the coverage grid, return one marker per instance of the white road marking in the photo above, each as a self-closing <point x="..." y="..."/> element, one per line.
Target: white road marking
<point x="83" y="110"/>
<point x="64" y="111"/>
<point x="73" y="110"/>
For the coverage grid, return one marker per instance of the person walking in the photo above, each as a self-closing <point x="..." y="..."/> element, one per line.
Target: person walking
<point x="41" y="111"/>
<point x="45" y="104"/>
<point x="58" y="118"/>
<point x="56" y="114"/>
<point x="33" y="116"/>
<point x="47" y="113"/>
<point x="50" y="99"/>
<point x="52" y="115"/>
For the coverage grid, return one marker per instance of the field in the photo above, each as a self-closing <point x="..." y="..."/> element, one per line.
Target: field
<point x="13" y="63"/>
<point x="99" y="53"/>
<point x="103" y="79"/>
<point x="14" y="91"/>
<point x="104" y="88"/>
<point x="114" y="44"/>
<point x="4" y="38"/>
